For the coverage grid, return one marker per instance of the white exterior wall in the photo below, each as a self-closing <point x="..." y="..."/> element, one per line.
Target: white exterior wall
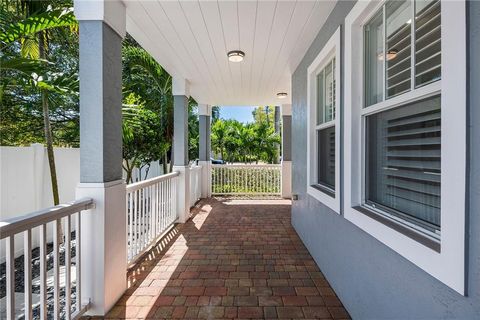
<point x="25" y="184"/>
<point x="25" y="178"/>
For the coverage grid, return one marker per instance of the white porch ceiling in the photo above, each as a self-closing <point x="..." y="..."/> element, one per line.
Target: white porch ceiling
<point x="190" y="39"/>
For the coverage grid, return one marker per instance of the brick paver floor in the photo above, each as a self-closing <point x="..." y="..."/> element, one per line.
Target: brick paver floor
<point x="233" y="259"/>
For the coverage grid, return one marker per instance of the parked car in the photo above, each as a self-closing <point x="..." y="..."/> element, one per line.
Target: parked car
<point x="217" y="161"/>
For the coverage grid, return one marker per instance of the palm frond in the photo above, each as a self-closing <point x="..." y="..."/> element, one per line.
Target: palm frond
<point x="30" y="48"/>
<point x="138" y="57"/>
<point x="23" y="65"/>
<point x="35" y="23"/>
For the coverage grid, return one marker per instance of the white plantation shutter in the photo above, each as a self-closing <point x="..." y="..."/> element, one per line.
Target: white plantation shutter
<point x="428" y="43"/>
<point x="326" y="159"/>
<point x="404" y="146"/>
<point x="398" y="47"/>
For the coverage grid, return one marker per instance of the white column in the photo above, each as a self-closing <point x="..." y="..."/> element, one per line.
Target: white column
<point x="103" y="232"/>
<point x="180" y="89"/>
<point x="286" y="151"/>
<point x="204" y="114"/>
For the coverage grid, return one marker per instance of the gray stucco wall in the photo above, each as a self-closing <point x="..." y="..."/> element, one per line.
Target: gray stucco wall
<point x="373" y="281"/>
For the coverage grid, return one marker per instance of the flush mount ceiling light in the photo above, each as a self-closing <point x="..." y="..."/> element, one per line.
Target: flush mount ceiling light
<point x="282" y="95"/>
<point x="235" y="55"/>
<point x="391" y="54"/>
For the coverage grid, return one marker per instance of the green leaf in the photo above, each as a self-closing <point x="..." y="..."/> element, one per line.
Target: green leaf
<point x="30" y="48"/>
<point x="35" y="23"/>
<point x="24" y="65"/>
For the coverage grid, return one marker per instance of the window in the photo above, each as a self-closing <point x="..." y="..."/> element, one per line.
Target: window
<point x="323" y="125"/>
<point x="326" y="127"/>
<point x="405" y="130"/>
<point x="388" y="48"/>
<point x="403" y="145"/>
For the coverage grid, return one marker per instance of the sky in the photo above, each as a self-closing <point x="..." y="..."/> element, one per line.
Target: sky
<point x="242" y="114"/>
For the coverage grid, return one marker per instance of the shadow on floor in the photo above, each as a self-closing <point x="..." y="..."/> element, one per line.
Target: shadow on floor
<point x="232" y="259"/>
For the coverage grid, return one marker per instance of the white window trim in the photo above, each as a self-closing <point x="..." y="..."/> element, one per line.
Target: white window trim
<point x="330" y="50"/>
<point x="448" y="265"/>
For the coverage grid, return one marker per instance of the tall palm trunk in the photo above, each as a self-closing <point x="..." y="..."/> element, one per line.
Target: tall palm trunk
<point x="48" y="137"/>
<point x="49" y="142"/>
<point x="277" y="130"/>
<point x="47" y="127"/>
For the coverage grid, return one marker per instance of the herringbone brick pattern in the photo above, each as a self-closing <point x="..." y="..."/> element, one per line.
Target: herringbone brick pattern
<point x="231" y="260"/>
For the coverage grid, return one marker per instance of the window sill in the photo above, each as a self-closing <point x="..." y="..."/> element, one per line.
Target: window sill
<point x="324" y="189"/>
<point x="325" y="196"/>
<point x="406" y="231"/>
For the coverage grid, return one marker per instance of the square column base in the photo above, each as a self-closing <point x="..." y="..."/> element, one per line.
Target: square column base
<point x="103" y="245"/>
<point x="287" y="179"/>
<point x="183" y="193"/>
<point x="206" y="178"/>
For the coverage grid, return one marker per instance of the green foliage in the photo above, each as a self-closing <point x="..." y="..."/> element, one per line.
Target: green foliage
<point x="24" y="75"/>
<point x="234" y="141"/>
<point x="152" y="86"/>
<point x="26" y="31"/>
<point x="142" y="136"/>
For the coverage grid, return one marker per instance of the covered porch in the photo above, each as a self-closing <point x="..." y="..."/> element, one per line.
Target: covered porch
<point x="112" y="227"/>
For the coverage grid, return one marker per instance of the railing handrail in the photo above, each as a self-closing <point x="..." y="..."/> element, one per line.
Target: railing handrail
<point x="246" y="165"/>
<point x="12" y="226"/>
<point x="145" y="183"/>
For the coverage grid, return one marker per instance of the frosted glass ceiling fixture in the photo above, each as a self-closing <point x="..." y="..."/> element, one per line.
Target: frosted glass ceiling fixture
<point x="235" y="55"/>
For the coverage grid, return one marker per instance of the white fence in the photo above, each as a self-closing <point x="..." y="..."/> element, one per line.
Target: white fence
<point x="151" y="210"/>
<point x="240" y="179"/>
<point x="67" y="284"/>
<point x="25" y="178"/>
<point x="195" y="184"/>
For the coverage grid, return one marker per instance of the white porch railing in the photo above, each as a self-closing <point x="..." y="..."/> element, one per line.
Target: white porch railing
<point x="62" y="294"/>
<point x="240" y="179"/>
<point x="151" y="211"/>
<point x="195" y="184"/>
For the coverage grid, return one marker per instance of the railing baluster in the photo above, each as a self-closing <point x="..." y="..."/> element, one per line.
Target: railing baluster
<point x="130" y="224"/>
<point x="149" y="214"/>
<point x="135" y="224"/>
<point x="78" y="263"/>
<point x="161" y="215"/>
<point x="56" y="269"/>
<point x="142" y="218"/>
<point x="150" y="217"/>
<point x="43" y="272"/>
<point x="10" y="261"/>
<point x="68" y="270"/>
<point x="27" y="244"/>
<point x="164" y="224"/>
<point x="156" y="230"/>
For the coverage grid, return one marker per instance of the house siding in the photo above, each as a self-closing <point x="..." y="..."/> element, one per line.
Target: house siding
<point x="373" y="281"/>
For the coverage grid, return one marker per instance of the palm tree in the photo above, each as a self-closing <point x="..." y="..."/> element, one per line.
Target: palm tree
<point x="215" y="113"/>
<point x="277" y="127"/>
<point x="144" y="77"/>
<point x="33" y="33"/>
<point x="219" y="134"/>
